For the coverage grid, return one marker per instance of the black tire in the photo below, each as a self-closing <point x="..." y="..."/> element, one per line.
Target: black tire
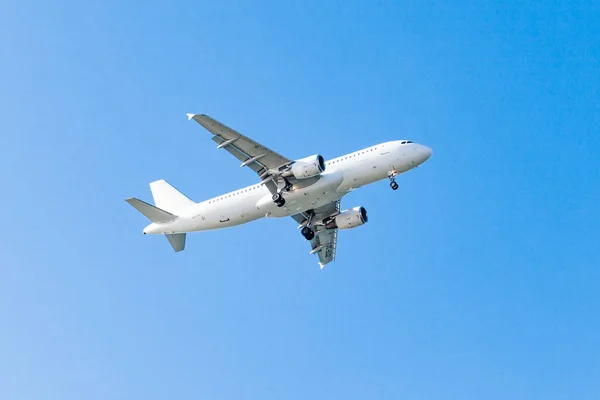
<point x="277" y="197"/>
<point x="394" y="185"/>
<point x="280" y="203"/>
<point x="308" y="233"/>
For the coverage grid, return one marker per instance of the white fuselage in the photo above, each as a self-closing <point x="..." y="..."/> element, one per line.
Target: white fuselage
<point x="341" y="175"/>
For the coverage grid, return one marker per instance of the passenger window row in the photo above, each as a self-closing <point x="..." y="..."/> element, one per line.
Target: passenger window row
<point x="233" y="194"/>
<point x="337" y="160"/>
<point x="329" y="162"/>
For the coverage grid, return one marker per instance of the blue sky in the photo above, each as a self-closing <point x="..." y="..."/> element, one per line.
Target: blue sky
<point x="478" y="278"/>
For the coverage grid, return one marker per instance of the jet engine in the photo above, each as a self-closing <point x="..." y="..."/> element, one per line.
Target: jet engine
<point x="308" y="167"/>
<point x="348" y="219"/>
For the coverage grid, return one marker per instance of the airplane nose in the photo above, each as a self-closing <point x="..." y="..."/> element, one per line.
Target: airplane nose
<point x="425" y="153"/>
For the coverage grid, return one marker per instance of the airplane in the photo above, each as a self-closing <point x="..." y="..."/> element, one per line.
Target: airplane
<point x="309" y="190"/>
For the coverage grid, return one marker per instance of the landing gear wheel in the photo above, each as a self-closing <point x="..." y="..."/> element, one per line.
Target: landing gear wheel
<point x="392" y="177"/>
<point x="308" y="233"/>
<point x="278" y="199"/>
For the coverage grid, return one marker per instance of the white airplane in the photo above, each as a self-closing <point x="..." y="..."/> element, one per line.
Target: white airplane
<point x="309" y="190"/>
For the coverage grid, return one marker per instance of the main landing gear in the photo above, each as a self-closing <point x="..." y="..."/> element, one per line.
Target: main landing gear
<point x="308" y="233"/>
<point x="278" y="199"/>
<point x="393" y="183"/>
<point x="278" y="196"/>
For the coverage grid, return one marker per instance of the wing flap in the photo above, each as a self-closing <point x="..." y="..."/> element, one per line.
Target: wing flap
<point x="240" y="155"/>
<point x="324" y="245"/>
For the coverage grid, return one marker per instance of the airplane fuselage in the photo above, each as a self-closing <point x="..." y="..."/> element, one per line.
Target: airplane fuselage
<point x="342" y="175"/>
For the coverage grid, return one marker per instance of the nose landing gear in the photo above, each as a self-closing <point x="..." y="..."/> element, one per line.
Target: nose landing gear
<point x="393" y="183"/>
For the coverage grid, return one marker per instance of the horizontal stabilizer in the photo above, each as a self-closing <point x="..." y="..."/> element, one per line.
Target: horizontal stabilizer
<point x="154" y="214"/>
<point x="177" y="240"/>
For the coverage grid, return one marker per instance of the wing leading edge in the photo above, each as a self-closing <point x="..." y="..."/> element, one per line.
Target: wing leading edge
<point x="252" y="154"/>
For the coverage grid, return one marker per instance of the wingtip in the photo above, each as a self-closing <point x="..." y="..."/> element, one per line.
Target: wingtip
<point x="321" y="265"/>
<point x="190" y="116"/>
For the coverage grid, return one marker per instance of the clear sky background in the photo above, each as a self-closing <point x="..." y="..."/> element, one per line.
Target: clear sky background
<point x="478" y="278"/>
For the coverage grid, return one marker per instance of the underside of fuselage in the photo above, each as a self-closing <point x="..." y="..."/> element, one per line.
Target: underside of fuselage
<point x="307" y="189"/>
<point x="343" y="175"/>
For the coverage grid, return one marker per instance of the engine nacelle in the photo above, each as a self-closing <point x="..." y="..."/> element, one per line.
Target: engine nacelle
<point x="308" y="167"/>
<point x="348" y="219"/>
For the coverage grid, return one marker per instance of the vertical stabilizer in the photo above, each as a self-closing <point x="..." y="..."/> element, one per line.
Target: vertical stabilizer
<point x="177" y="240"/>
<point x="168" y="198"/>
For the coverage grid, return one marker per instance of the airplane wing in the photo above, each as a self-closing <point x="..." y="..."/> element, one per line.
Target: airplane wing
<point x="252" y="154"/>
<point x="325" y="241"/>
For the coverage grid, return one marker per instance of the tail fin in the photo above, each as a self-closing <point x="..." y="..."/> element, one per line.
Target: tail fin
<point x="168" y="198"/>
<point x="177" y="240"/>
<point x="154" y="214"/>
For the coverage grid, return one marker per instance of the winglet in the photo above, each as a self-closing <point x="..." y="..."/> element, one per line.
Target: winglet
<point x="190" y="116"/>
<point x="321" y="265"/>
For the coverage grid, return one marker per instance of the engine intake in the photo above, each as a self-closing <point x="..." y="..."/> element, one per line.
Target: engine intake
<point x="348" y="219"/>
<point x="308" y="167"/>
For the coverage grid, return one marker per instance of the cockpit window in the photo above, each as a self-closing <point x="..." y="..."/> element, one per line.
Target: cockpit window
<point x="405" y="142"/>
